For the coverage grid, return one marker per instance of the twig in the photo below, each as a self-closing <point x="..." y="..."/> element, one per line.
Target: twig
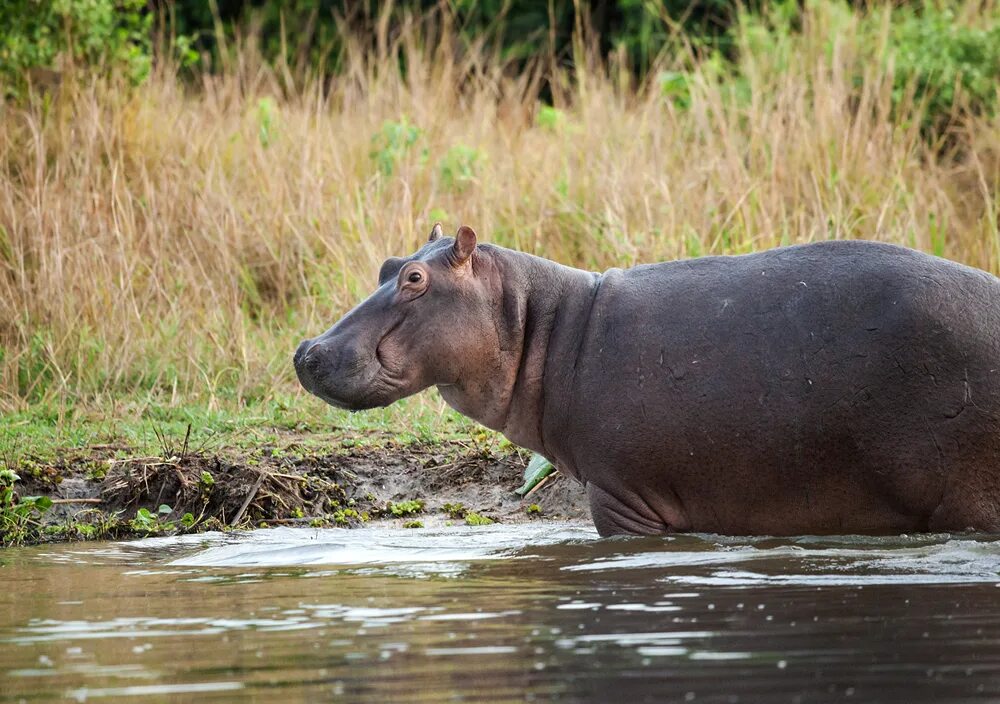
<point x="295" y="477"/>
<point x="246" y="502"/>
<point x="77" y="501"/>
<point x="187" y="436"/>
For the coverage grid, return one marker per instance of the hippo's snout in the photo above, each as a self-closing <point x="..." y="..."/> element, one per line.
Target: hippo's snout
<point x="305" y="361"/>
<point x="300" y="355"/>
<point x="337" y="371"/>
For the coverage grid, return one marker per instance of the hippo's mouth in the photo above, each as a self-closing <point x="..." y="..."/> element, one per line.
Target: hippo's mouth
<point x="376" y="385"/>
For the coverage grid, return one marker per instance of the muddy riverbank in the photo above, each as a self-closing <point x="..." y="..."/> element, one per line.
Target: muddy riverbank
<point x="106" y="491"/>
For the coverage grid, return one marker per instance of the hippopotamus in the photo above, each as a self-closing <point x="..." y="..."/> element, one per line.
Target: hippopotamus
<point x="823" y="388"/>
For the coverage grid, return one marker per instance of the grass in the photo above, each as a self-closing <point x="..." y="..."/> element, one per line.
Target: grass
<point x="164" y="248"/>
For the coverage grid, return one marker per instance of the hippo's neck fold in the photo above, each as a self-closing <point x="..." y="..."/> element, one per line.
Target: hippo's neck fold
<point x="544" y="308"/>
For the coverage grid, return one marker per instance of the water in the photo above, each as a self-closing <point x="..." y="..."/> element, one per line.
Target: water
<point x="538" y="612"/>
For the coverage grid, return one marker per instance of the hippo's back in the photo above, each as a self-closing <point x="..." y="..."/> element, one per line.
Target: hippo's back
<point x="846" y="385"/>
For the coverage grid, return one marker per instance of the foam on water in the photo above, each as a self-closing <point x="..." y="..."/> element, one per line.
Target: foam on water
<point x="282" y="547"/>
<point x="682" y="559"/>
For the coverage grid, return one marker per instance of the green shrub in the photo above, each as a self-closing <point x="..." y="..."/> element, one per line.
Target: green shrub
<point x="944" y="60"/>
<point x="112" y="33"/>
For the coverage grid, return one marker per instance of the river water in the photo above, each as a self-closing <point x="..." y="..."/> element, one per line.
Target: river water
<point x="535" y="612"/>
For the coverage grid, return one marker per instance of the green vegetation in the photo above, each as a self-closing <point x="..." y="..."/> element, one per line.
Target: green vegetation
<point x="536" y="471"/>
<point x="474" y="519"/>
<point x="945" y="61"/>
<point x="406" y="508"/>
<point x="456" y="511"/>
<point x="413" y="524"/>
<point x="42" y="36"/>
<point x="349" y="516"/>
<point x="146" y="522"/>
<point x="533" y="510"/>
<point x="18" y="514"/>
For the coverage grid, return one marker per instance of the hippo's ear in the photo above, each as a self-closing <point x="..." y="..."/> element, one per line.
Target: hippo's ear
<point x="465" y="242"/>
<point x="435" y="232"/>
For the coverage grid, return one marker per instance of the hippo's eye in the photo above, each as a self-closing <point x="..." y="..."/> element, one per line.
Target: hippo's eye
<point x="414" y="277"/>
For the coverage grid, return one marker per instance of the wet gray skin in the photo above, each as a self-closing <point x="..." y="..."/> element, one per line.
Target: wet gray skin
<point x="835" y="387"/>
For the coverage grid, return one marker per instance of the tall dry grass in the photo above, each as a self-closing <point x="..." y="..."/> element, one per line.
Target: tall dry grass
<point x="180" y="240"/>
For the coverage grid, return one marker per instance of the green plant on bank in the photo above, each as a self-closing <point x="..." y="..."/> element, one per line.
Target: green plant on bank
<point x="474" y="519"/>
<point x="406" y="508"/>
<point x="19" y="515"/>
<point x="537" y="470"/>
<point x="92" y="524"/>
<point x="533" y="510"/>
<point x="413" y="524"/>
<point x="346" y="516"/>
<point x="149" y="523"/>
<point x="456" y="510"/>
<point x="205" y="482"/>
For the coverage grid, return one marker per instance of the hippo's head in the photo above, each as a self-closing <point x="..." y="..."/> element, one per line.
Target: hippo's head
<point x="431" y="319"/>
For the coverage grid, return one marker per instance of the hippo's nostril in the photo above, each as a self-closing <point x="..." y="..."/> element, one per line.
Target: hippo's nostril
<point x="301" y="353"/>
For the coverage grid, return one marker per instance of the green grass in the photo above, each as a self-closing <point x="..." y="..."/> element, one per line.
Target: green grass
<point x="45" y="433"/>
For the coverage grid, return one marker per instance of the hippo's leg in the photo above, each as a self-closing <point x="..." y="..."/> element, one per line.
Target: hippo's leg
<point x="967" y="507"/>
<point x="613" y="516"/>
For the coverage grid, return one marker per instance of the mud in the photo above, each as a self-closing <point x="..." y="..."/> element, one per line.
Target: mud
<point x="287" y="486"/>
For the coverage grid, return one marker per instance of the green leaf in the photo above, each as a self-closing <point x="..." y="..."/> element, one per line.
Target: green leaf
<point x="164" y="509"/>
<point x="536" y="471"/>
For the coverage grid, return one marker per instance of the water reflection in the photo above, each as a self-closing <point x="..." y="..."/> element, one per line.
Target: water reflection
<point x="543" y="612"/>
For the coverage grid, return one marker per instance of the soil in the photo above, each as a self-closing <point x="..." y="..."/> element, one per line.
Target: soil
<point x="450" y="482"/>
